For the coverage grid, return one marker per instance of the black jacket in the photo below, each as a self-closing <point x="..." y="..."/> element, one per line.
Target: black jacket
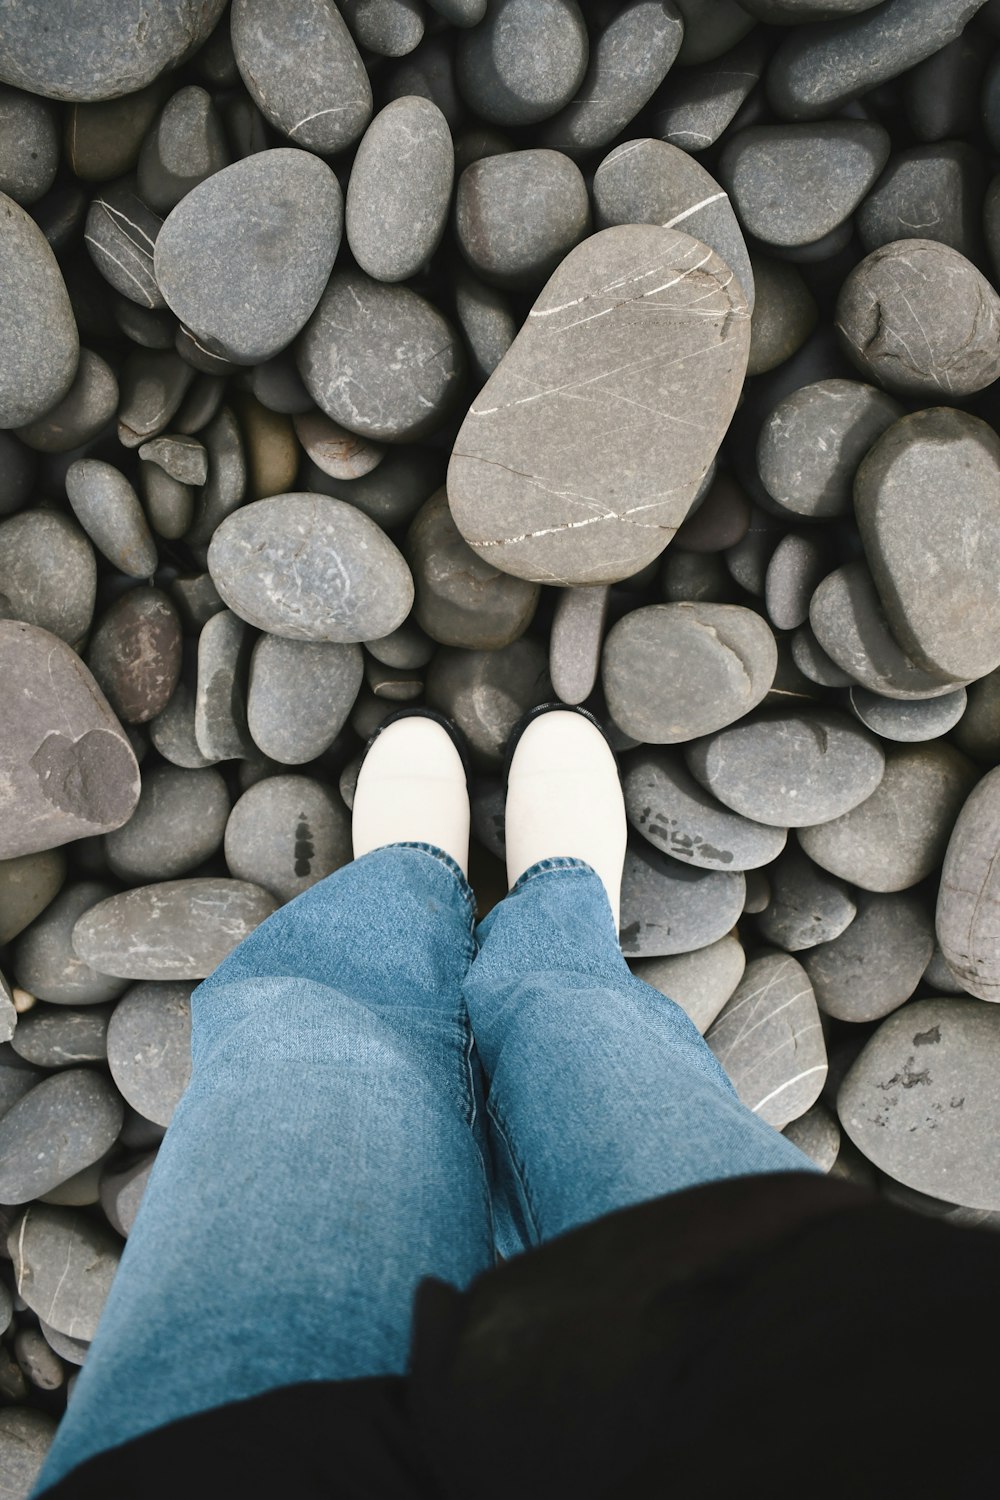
<point x="789" y="1335"/>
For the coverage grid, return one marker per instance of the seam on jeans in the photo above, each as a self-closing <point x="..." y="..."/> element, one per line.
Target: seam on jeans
<point x="450" y="863"/>
<point x="516" y="1162"/>
<point x="577" y="868"/>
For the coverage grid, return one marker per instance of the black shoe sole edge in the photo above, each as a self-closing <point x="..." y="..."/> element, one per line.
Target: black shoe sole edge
<point x="536" y="713"/>
<point x="456" y="735"/>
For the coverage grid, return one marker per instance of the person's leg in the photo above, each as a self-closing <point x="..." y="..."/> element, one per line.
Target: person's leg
<point x="328" y="1153"/>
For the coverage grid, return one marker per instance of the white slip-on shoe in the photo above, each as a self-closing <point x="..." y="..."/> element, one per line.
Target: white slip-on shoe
<point x="564" y="796"/>
<point x="413" y="785"/>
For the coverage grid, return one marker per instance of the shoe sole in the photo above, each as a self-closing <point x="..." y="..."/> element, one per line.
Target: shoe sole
<point x="455" y="734"/>
<point x="536" y="713"/>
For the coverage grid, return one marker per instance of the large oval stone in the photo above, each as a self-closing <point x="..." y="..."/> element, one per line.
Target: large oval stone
<point x="149" y="1047"/>
<point x="64" y="1262"/>
<point x="64" y="1124"/>
<point x="582" y="454"/>
<point x="40" y="349"/>
<point x="700" y="982"/>
<point x="310" y="568"/>
<point x="968" y="906"/>
<point x="668" y="907"/>
<point x="300" y="695"/>
<point x="667" y="806"/>
<point x="400" y="188"/>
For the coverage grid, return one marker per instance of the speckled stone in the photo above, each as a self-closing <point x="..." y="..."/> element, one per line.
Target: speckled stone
<point x="300" y="695"/>
<point x="485" y="317"/>
<point x="769" y="1039"/>
<point x="339" y="453"/>
<point x="930" y="193"/>
<point x="486" y="692"/>
<point x="798" y="564"/>
<point x="406" y="647"/>
<point x="666" y="805"/>
<point x="699" y="982"/>
<point x="64" y="1124"/>
<point x="877" y="963"/>
<point x="149" y="1047"/>
<point x="64" y="1262"/>
<point x="25" y="1438"/>
<point x="185" y="146"/>
<point x="575" y="641"/>
<point x="172" y="732"/>
<point x="28" y="883"/>
<point x="400" y="189"/>
<point x="784" y="315"/>
<point x="668" y="907"/>
<point x="811" y="445"/>
<point x="915" y="722"/>
<point x="220" y="717"/>
<point x="524" y="61"/>
<point x="41" y="345"/>
<point x="48" y="575"/>
<point x="286" y="833"/>
<point x="968" y="894"/>
<point x="135" y="654"/>
<point x="29" y="146"/>
<point x="43" y="960"/>
<point x="16" y="1078"/>
<point x="85" y="410"/>
<point x="817" y="1133"/>
<point x="179" y="823"/>
<point x="183" y="458"/>
<point x="519" y="214"/>
<point x="699" y="102"/>
<point x="108" y="509"/>
<point x="57" y="1036"/>
<point x="178" y="929"/>
<point x="807" y="905"/>
<point x="711" y="27"/>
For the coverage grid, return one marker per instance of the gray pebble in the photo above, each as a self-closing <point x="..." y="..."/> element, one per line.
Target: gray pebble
<point x="406" y="647"/>
<point x="428" y="71"/>
<point x="153" y="383"/>
<point x="179" y="823"/>
<point x="339" y="453"/>
<point x="967" y="895"/>
<point x="120" y="236"/>
<point x="73" y="1350"/>
<point x="699" y="102"/>
<point x="813" y="662"/>
<point x="666" y="805"/>
<point x="797" y="565"/>
<point x="817" y="1133"/>
<point x="668" y="907"/>
<point x="48" y="574"/>
<point x="524" y="61"/>
<point x="29" y="146"/>
<point x="894" y="719"/>
<point x="486" y="692"/>
<point x="149" y="1048"/>
<point x="17" y="1078"/>
<point x="485" y="318"/>
<point x="169" y="506"/>
<point x="711" y="27"/>
<point x="226" y="485"/>
<point x="173" y="732"/>
<point x="108" y="509"/>
<point x="391" y="28"/>
<point x="277" y="385"/>
<point x="700" y="982"/>
<point x="400" y="189"/>
<point x="721" y="519"/>
<point x="877" y="963"/>
<point x="941" y="94"/>
<point x="28" y="884"/>
<point x="939" y="978"/>
<point x="390" y="682"/>
<point x="102" y="139"/>
<point x="17" y="473"/>
<point x="64" y="1124"/>
<point x="135" y="654"/>
<point x="978" y="731"/>
<point x="43" y="960"/>
<point x="65" y="1263"/>
<point x="300" y="695"/>
<point x="184" y="458"/>
<point x="393" y="492"/>
<point x="41" y="345"/>
<point x="811" y="445"/>
<point x="784" y="314"/>
<point x="85" y="410"/>
<point x="220" y="716"/>
<point x="286" y="833"/>
<point x="518" y="215"/>
<point x="25" y="1438"/>
<point x="807" y="905"/>
<point x="58" y="1036"/>
<point x="930" y="193"/>
<point x="575" y="641"/>
<point x="38" y="1360"/>
<point x="747" y="559"/>
<point x="122" y="1191"/>
<point x="186" y="145"/>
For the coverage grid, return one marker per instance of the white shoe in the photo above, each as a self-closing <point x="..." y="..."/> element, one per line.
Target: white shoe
<point x="412" y="785"/>
<point x="564" y="796"/>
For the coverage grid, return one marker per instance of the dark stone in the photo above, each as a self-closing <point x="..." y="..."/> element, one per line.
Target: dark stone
<point x="85" y="410"/>
<point x="120" y="236"/>
<point x="339" y="453"/>
<point x="121" y="1193"/>
<point x="28" y="884"/>
<point x="699" y="102"/>
<point x="721" y="520"/>
<point x="797" y="565"/>
<point x="391" y="28"/>
<point x="25" y="1438"/>
<point x="485" y="318"/>
<point x="486" y="692"/>
<point x="65" y="1123"/>
<point x="877" y="963"/>
<point x="518" y="215"/>
<point x="286" y="833"/>
<point x="173" y="732"/>
<point x="784" y="314"/>
<point x="29" y="146"/>
<point x="227" y="476"/>
<point x="102" y="139"/>
<point x="668" y="907"/>
<point x="817" y="1134"/>
<point x="575" y="641"/>
<point x="917" y="721"/>
<point x="152" y="383"/>
<point x="220" y="717"/>
<point x="135" y="654"/>
<point x="56" y="1036"/>
<point x="524" y="61"/>
<point x="393" y="492"/>
<point x="929" y="193"/>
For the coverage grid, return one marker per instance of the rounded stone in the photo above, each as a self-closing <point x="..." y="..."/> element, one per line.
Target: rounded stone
<point x="400" y="189"/>
<point x="671" y="672"/>
<point x="486" y="319"/>
<point x="393" y="492"/>
<point x="153" y="383"/>
<point x="524" y="60"/>
<point x="56" y="1036"/>
<point x="43" y="960"/>
<point x="486" y="692"/>
<point x="177" y="929"/>
<point x="29" y="883"/>
<point x="817" y="1134"/>
<point x="120" y="235"/>
<point x="784" y="314"/>
<point x="700" y="982"/>
<point x="797" y="565"/>
<point x="108" y="509"/>
<point x="919" y="318"/>
<point x="179" y="823"/>
<point x="915" y="722"/>
<point x="40" y="1363"/>
<point x="286" y="833"/>
<point x="813" y="662"/>
<point x="41" y="346"/>
<point x="666" y="805"/>
<point x="244" y="257"/>
<point x="64" y="1262"/>
<point x="29" y="146"/>
<point x="65" y="1123"/>
<point x="811" y="445"/>
<point x="122" y="1190"/>
<point x="135" y="654"/>
<point x="149" y="1048"/>
<point x="969" y="893"/>
<point x="85" y="410"/>
<point x="807" y="905"/>
<point x="48" y="574"/>
<point x="185" y="145"/>
<point x="339" y="453"/>
<point x="16" y="1078"/>
<point x="575" y="641"/>
<point x="310" y="568"/>
<point x="978" y="731"/>
<point x="668" y="907"/>
<point x="721" y="520"/>
<point x="928" y="192"/>
<point x="698" y="103"/>
<point x="25" y="1438"/>
<point x="301" y="694"/>
<point x="518" y="215"/>
<point x="877" y="963"/>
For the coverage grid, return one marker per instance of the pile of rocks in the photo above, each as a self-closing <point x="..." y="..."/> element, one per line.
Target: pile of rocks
<point x="476" y="353"/>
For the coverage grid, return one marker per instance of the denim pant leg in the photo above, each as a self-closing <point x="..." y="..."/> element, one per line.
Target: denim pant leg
<point x="601" y="1091"/>
<point x="329" y="1152"/>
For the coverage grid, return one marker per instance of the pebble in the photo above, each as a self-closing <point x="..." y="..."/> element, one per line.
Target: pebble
<point x="390" y="682"/>
<point x="928" y="192"/>
<point x="919" y="318"/>
<point x="28" y="884"/>
<point x="339" y="453"/>
<point x="272" y="451"/>
<point x="25" y="1438"/>
<point x="48" y="574"/>
<point x="43" y="960"/>
<point x="120" y="235"/>
<point x="216" y="257"/>
<point x="721" y="519"/>
<point x="405" y="647"/>
<point x="41" y="345"/>
<point x="817" y="1133"/>
<point x="380" y="360"/>
<point x="85" y="410"/>
<point x="811" y="445"/>
<point x="64" y="1262"/>
<point x="784" y="314"/>
<point x="108" y="509"/>
<point x="789" y="769"/>
<point x="518" y="215"/>
<point x="393" y="492"/>
<point x="286" y="833"/>
<point x="300" y="695"/>
<point x="485" y="317"/>
<point x="179" y="823"/>
<point x="220" y="715"/>
<point x="183" y="458"/>
<point x="798" y="564"/>
<point x="122" y="1191"/>
<point x="173" y="732"/>
<point x="921" y="1101"/>
<point x="153" y="384"/>
<point x="575" y="641"/>
<point x="16" y="1079"/>
<point x="711" y="27"/>
<point x="29" y="146"/>
<point x="135" y="654"/>
<point x="102" y="139"/>
<point x="80" y="1190"/>
<point x="747" y="559"/>
<point x="69" y="769"/>
<point x="303" y="71"/>
<point x="671" y="672"/>
<point x="64" y="1124"/>
<point x="524" y="61"/>
<point x="177" y="929"/>
<point x="390" y="28"/>
<point x="978" y="730"/>
<point x="807" y="905"/>
<point x="878" y="962"/>
<point x="428" y="71"/>
<point x="400" y="189"/>
<point x="699" y="102"/>
<point x="56" y="1036"/>
<point x="700" y="982"/>
<point x="40" y="1363"/>
<point x="666" y="805"/>
<point x="149" y="1047"/>
<point x="668" y="907"/>
<point x="486" y="692"/>
<point x="917" y="721"/>
<point x="967" y="895"/>
<point x="769" y="1039"/>
<point x="226" y="485"/>
<point x="185" y="146"/>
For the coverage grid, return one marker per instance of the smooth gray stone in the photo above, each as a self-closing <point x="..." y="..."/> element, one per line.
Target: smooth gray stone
<point x="722" y="517"/>
<point x="939" y="978"/>
<point x="460" y="12"/>
<point x="941" y="94"/>
<point x="391" y="28"/>
<point x="107" y="50"/>
<point x="522" y="467"/>
<point x="914" y="722"/>
<point x="169" y="506"/>
<point x="700" y="982"/>
<point x="277" y="385"/>
<point x="650" y="182"/>
<point x="243" y="259"/>
<point x="122" y="1191"/>
<point x="66" y="767"/>
<point x="43" y="960"/>
<point x="85" y="410"/>
<point x="108" y="509"/>
<point x="40" y="1363"/>
<point x="747" y="559"/>
<point x="813" y="662"/>
<point x="485" y="317"/>
<point x="348" y="780"/>
<point x="460" y="598"/>
<point x="18" y="466"/>
<point x="152" y="383"/>
<point x="427" y="71"/>
<point x="798" y="564"/>
<point x="65" y="1123"/>
<point x="919" y="318"/>
<point x="784" y="315"/>
<point x="64" y="1262"/>
<point x="380" y="360"/>
<point x="771" y="173"/>
<point x="518" y="215"/>
<point x="899" y="835"/>
<point x="699" y="102"/>
<point x="196" y="354"/>
<point x="789" y="769"/>
<point x="575" y="641"/>
<point x="173" y="732"/>
<point x="179" y="823"/>
<point x="28" y="884"/>
<point x="303" y="71"/>
<point x="149" y="1048"/>
<point x="48" y="574"/>
<point x="183" y="458"/>
<point x="668" y="907"/>
<point x="73" y="1350"/>
<point x="79" y="1190"/>
<point x="849" y="622"/>
<point x="477" y="141"/>
<point x="220" y="716"/>
<point x="817" y="1133"/>
<point x="55" y="1036"/>
<point x="339" y="453"/>
<point x="103" y="139"/>
<point x="176" y="929"/>
<point x="769" y="1039"/>
<point x="811" y="445"/>
<point x="929" y="193"/>
<point x="286" y="833"/>
<point x="524" y="61"/>
<point x="25" y="1438"/>
<point x="400" y="189"/>
<point x="41" y="345"/>
<point x="301" y="694"/>
<point x="821" y="67"/>
<point x="978" y="731"/>
<point x="227" y="476"/>
<point x="406" y="647"/>
<point x="629" y="59"/>
<point x="711" y="27"/>
<point x="135" y="654"/>
<point x="389" y="682"/>
<point x="393" y="492"/>
<point x="486" y="692"/>
<point x="150" y="328"/>
<point x="968" y="893"/>
<point x="29" y="146"/>
<point x="120" y="236"/>
<point x="666" y="805"/>
<point x="807" y="906"/>
<point x="671" y="672"/>
<point x="17" y="1078"/>
<point x="921" y="1100"/>
<point x="138" y="1133"/>
<point x="877" y="963"/>
<point x="186" y="145"/>
<point x="938" y="587"/>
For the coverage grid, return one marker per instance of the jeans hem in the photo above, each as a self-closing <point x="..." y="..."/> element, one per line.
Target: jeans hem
<point x="551" y="865"/>
<point x="450" y="863"/>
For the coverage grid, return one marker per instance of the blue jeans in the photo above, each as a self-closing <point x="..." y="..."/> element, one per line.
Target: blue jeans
<point x="381" y="1091"/>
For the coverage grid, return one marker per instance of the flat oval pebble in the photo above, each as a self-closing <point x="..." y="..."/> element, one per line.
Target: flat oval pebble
<point x="769" y="1039"/>
<point x="43" y="961"/>
<point x="697" y="104"/>
<point x="120" y="235"/>
<point x="921" y="720"/>
<point x="59" y="1036"/>
<point x="64" y="1263"/>
<point x="400" y="189"/>
<point x="517" y="215"/>
<point x="668" y="907"/>
<point x="28" y="884"/>
<point x="300" y="695"/>
<point x="135" y="654"/>
<point x="87" y="407"/>
<point x="812" y="443"/>
<point x="310" y="568"/>
<point x="178" y="929"/>
<point x="339" y="453"/>
<point x="789" y="769"/>
<point x="807" y="905"/>
<point x="65" y="1123"/>
<point x="486" y="692"/>
<point x="41" y="345"/>
<point x="968" y="929"/>
<point x="48" y="574"/>
<point x="671" y="672"/>
<point x="524" y="468"/>
<point x="700" y="982"/>
<point x="286" y="833"/>
<point x="877" y="963"/>
<point x="785" y="314"/>
<point x="666" y="805"/>
<point x="149" y="1047"/>
<point x="178" y="824"/>
<point x="575" y="641"/>
<point x="67" y="769"/>
<point x="185" y="146"/>
<point x="798" y="564"/>
<point x="220" y="717"/>
<point x="921" y="1100"/>
<point x="243" y="258"/>
<point x="153" y="383"/>
<point x="29" y="146"/>
<point x="122" y="1191"/>
<point x="108" y="509"/>
<point x="524" y="60"/>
